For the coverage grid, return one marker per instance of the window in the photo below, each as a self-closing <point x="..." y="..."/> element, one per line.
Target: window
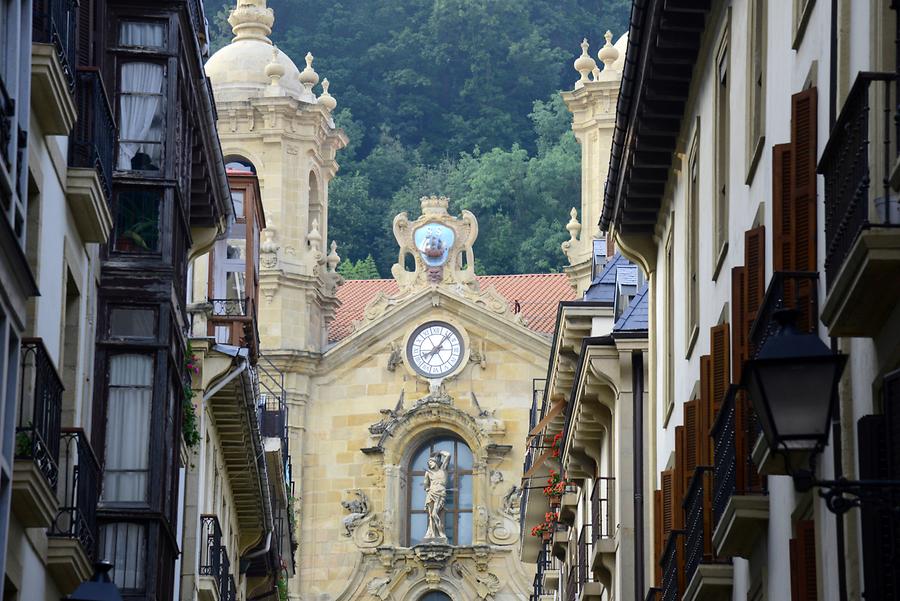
<point x="670" y="328"/>
<point x="435" y="596"/>
<point x="137" y="221"/>
<point x="125" y="477"/>
<point x="128" y="323"/>
<point x="802" y="12"/>
<point x="142" y="115"/>
<point x="237" y="199"/>
<point x="458" y="502"/>
<point x="756" y="86"/>
<point x="125" y="545"/>
<point x="142" y="34"/>
<point x="723" y="154"/>
<point x="693" y="242"/>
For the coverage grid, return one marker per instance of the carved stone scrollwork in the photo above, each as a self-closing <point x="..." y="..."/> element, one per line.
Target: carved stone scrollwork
<point x="359" y="510"/>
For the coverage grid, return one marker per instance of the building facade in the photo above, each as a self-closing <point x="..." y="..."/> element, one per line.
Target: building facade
<point x="752" y="171"/>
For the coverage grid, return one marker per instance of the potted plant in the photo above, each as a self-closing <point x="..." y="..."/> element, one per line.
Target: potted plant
<point x="556" y="445"/>
<point x="555" y="488"/>
<point x="544" y="530"/>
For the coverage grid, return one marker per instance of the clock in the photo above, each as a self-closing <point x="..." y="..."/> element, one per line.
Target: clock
<point x="435" y="349"/>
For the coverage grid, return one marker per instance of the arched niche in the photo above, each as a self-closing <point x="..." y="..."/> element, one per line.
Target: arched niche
<point x="316" y="215"/>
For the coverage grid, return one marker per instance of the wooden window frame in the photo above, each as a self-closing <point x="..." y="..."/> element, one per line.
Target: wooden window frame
<point x="692" y="243"/>
<point x="757" y="55"/>
<point x="722" y="136"/>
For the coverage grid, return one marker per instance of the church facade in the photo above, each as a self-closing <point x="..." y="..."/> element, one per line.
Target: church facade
<point x="407" y="398"/>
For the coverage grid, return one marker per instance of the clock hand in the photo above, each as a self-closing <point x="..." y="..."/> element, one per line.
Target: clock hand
<point x="438" y="347"/>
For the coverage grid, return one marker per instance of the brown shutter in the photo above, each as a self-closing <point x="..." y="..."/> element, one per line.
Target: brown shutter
<point x="85" y="38"/>
<point x="754" y="276"/>
<point x="658" y="532"/>
<point x="738" y="334"/>
<point x="719" y="346"/>
<point x="803" y="562"/>
<point x="704" y="413"/>
<point x="682" y="454"/>
<point x="782" y="196"/>
<point x="691" y="441"/>
<point x="804" y="151"/>
<point x="668" y="503"/>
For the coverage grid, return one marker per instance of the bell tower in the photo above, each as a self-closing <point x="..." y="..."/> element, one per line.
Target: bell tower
<point x="271" y="119"/>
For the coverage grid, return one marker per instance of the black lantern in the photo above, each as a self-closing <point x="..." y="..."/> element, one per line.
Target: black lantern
<point x="793" y="384"/>
<point x="99" y="588"/>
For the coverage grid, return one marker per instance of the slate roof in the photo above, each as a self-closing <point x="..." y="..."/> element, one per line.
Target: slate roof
<point x="603" y="286"/>
<point x="537" y="295"/>
<point x="635" y="317"/>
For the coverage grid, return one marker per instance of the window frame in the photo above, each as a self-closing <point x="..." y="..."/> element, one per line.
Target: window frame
<point x="722" y="176"/>
<point x="455" y="487"/>
<point x="692" y="241"/>
<point x="757" y="55"/>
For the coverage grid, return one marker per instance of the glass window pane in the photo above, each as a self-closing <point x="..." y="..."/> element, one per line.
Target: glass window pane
<point x="236" y="250"/>
<point x="450" y="527"/>
<point x="137" y="221"/>
<point x="234" y="285"/>
<point x="142" y="34"/>
<point x="132" y="323"/>
<point x="421" y="460"/>
<point x="417" y="492"/>
<point x="127" y="428"/>
<point x="463" y="456"/>
<point x="444" y="445"/>
<point x="125" y="545"/>
<point x="436" y="596"/>
<point x="417" y="526"/>
<point x="237" y="198"/>
<point x="465" y="529"/>
<point x="450" y="499"/>
<point x="465" y="492"/>
<point x="142" y="116"/>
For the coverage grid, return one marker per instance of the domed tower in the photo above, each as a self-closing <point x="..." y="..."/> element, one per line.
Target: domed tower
<point x="271" y="121"/>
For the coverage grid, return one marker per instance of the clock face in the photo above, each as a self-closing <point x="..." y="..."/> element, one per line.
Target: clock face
<point x="435" y="349"/>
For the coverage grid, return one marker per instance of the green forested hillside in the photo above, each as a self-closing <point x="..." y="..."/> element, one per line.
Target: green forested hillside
<point x="453" y="97"/>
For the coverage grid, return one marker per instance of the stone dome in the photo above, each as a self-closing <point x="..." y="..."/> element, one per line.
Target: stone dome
<point x="621" y="45"/>
<point x="238" y="71"/>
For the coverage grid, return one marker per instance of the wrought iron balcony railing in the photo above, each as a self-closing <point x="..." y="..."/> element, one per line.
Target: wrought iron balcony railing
<point x="40" y="407"/>
<point x="861" y="153"/>
<point x="698" y="522"/>
<point x="7" y="111"/>
<point x="94" y="135"/>
<point x="211" y="546"/>
<point x="796" y="290"/>
<point x="602" y="503"/>
<point x="672" y="562"/>
<point x="654" y="594"/>
<point x="582" y="558"/>
<point x="734" y="433"/>
<point x="53" y="22"/>
<point x="80" y="491"/>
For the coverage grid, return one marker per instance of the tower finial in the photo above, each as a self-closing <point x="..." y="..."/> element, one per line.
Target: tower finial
<point x="326" y="99"/>
<point x="309" y="77"/>
<point x="609" y="53"/>
<point x="251" y="20"/>
<point x="584" y="64"/>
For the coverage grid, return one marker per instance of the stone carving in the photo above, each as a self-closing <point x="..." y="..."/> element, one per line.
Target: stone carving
<point x="437" y="393"/>
<point x="395" y="358"/>
<point x="496" y="477"/>
<point x="391" y="416"/>
<point x="358" y="508"/>
<point x="435" y="495"/>
<point x="476" y="355"/>
<point x="510" y="503"/>
<point x="378" y="587"/>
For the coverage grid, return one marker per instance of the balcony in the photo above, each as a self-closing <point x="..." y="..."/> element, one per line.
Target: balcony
<point x="89" y="178"/>
<point x="35" y="473"/>
<point x="603" y="542"/>
<point x="53" y="62"/>
<point x="588" y="587"/>
<point x="233" y="321"/>
<point x="216" y="583"/>
<point x="740" y="504"/>
<point x="73" y="535"/>
<point x="672" y="563"/>
<point x="707" y="577"/>
<point x="862" y="209"/>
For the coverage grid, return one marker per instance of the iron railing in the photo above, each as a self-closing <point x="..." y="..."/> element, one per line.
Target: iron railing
<point x="40" y="408"/>
<point x="672" y="558"/>
<point x="583" y="551"/>
<point x="698" y="534"/>
<point x="796" y="290"/>
<point x="602" y="503"/>
<point x="233" y="321"/>
<point x="53" y="22"/>
<point x="80" y="491"/>
<point x="850" y="164"/>
<point x="214" y="560"/>
<point x="654" y="594"/>
<point x="734" y="433"/>
<point x="94" y="135"/>
<point x="7" y="113"/>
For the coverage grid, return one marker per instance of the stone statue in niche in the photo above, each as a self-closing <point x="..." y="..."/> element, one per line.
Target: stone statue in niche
<point x="435" y="496"/>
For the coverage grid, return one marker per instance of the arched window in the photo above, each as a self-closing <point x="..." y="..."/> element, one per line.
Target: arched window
<point x="458" y="502"/>
<point x="435" y="596"/>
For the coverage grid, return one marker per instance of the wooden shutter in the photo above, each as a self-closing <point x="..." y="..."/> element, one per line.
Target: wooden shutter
<point x="691" y="441"/>
<point x="682" y="466"/>
<point x="803" y="562"/>
<point x="720" y="366"/>
<point x="804" y="152"/>
<point x="782" y="203"/>
<point x="754" y="276"/>
<point x="704" y="413"/>
<point x="668" y="503"/>
<point x="85" y="37"/>
<point x="738" y="334"/>
<point x="658" y="534"/>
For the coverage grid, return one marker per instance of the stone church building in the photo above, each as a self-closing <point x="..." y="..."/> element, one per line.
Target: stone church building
<point x="409" y="397"/>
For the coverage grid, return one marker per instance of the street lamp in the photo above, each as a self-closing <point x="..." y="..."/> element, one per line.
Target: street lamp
<point x="793" y="388"/>
<point x="99" y="588"/>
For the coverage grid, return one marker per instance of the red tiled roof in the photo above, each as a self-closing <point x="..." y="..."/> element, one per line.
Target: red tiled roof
<point x="537" y="295"/>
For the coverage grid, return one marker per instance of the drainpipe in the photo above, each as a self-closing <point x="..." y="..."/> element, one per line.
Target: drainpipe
<point x="637" y="377"/>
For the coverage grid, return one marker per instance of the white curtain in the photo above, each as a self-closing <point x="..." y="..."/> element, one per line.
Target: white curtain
<point x="147" y="35"/>
<point x="140" y="98"/>
<point x="128" y="428"/>
<point x="125" y="545"/>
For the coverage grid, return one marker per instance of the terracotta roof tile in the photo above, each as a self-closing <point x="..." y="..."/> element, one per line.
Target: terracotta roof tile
<point x="537" y="295"/>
